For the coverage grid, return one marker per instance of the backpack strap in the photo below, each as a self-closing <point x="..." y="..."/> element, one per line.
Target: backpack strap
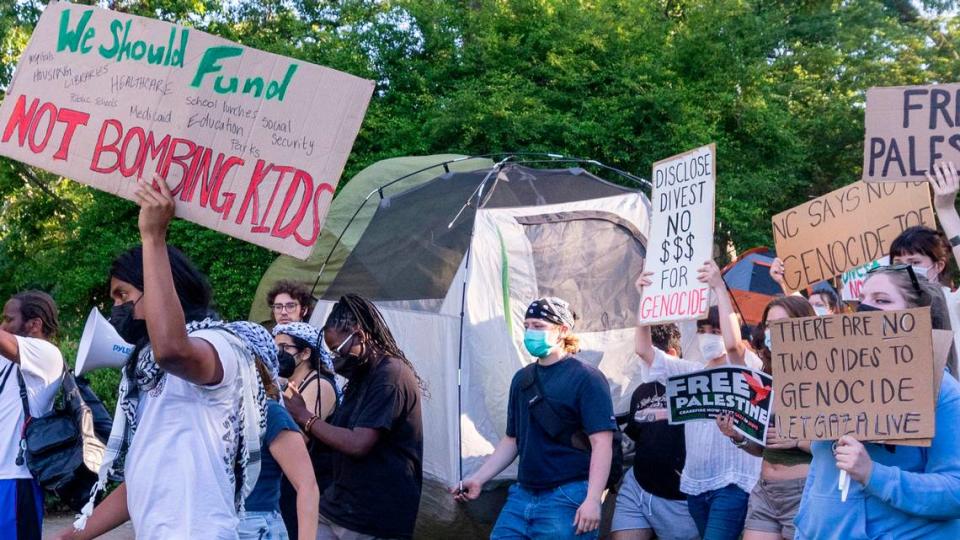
<point x="544" y="414"/>
<point x="24" y="402"/>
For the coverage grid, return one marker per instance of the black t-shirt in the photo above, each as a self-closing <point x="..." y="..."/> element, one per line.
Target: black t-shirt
<point x="660" y="450"/>
<point x="577" y="392"/>
<point x="379" y="494"/>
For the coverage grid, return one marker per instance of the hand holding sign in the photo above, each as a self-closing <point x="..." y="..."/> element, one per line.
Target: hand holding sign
<point x="853" y="458"/>
<point x="157" y="208"/>
<point x="709" y="274"/>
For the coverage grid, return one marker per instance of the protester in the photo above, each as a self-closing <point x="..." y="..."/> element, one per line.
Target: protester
<point x="560" y="481"/>
<point x="301" y="365"/>
<point x="190" y="410"/>
<point x="775" y="499"/>
<point x="650" y="501"/>
<point x="928" y="251"/>
<point x="895" y="491"/>
<point x="29" y="360"/>
<point x="717" y="477"/>
<point x="287" y="455"/>
<point x="375" y="434"/>
<point x="290" y="302"/>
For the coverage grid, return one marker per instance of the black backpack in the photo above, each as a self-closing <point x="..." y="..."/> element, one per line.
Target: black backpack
<point x="563" y="430"/>
<point x="64" y="449"/>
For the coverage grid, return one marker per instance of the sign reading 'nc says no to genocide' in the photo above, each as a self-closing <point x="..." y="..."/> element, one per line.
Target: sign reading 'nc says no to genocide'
<point x="681" y="237"/>
<point x="252" y="144"/>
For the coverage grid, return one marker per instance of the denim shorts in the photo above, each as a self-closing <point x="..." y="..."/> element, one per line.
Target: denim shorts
<point x="262" y="526"/>
<point x="542" y="513"/>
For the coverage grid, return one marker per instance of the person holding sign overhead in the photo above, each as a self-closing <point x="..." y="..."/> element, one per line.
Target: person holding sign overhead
<point x="928" y="251"/>
<point x="717" y="477"/>
<point x="776" y="498"/>
<point x="896" y="491"/>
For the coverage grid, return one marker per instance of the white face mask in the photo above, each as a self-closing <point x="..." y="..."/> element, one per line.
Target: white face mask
<point x="923" y="271"/>
<point x="767" y="341"/>
<point x="711" y="346"/>
<point x="820" y="311"/>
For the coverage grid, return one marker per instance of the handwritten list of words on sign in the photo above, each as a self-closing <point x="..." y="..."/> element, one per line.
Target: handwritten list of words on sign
<point x="252" y="144"/>
<point x="866" y="374"/>
<point x="681" y="236"/>
<point x="908" y="129"/>
<point x="846" y="228"/>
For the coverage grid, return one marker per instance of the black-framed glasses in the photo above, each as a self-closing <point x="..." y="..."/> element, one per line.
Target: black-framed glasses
<point x="290" y="307"/>
<point x="899" y="268"/>
<point x="286" y="347"/>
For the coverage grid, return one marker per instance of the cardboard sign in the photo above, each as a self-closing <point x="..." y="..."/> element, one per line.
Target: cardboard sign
<point x="740" y="391"/>
<point x="908" y="129"/>
<point x="868" y="374"/>
<point x="852" y="280"/>
<point x="846" y="228"/>
<point x="681" y="237"/>
<point x="252" y="144"/>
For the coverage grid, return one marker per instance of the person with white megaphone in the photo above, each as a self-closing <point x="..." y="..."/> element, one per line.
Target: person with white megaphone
<point x="30" y="366"/>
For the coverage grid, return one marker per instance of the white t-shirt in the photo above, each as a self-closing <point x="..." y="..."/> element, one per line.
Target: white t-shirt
<point x="713" y="462"/>
<point x="42" y="366"/>
<point x="179" y="468"/>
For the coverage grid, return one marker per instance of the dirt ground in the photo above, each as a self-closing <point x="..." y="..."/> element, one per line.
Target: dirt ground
<point x="53" y="524"/>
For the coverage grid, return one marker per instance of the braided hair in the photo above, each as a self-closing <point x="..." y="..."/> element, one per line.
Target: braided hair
<point x="354" y="310"/>
<point x="39" y="305"/>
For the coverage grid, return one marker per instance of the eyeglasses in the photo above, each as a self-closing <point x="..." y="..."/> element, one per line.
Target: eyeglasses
<point x="279" y="308"/>
<point x="288" y="347"/>
<point x="899" y="268"/>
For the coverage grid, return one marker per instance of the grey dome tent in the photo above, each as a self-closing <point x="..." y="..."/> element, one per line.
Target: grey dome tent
<point x="453" y="261"/>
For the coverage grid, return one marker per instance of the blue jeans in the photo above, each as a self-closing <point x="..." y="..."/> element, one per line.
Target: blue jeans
<point x="719" y="514"/>
<point x="262" y="526"/>
<point x="541" y="514"/>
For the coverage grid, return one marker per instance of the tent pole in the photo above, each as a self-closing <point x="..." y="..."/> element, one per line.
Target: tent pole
<point x="463" y="301"/>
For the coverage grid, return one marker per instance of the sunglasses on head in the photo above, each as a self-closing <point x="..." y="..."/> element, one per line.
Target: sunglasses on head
<point x="900" y="268"/>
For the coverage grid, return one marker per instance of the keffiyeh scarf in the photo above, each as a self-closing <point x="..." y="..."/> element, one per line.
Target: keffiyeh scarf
<point x="146" y="375"/>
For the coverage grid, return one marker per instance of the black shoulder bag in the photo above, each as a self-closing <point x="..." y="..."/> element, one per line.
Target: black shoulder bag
<point x="64" y="449"/>
<point x="561" y="430"/>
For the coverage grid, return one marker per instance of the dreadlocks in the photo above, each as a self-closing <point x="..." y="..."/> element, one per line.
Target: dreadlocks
<point x="39" y="305"/>
<point x="354" y="310"/>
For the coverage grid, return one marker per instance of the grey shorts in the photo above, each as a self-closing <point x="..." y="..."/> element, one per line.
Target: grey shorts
<point x="639" y="509"/>
<point x="773" y="505"/>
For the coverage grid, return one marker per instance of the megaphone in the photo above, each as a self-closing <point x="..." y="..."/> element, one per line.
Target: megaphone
<point x="100" y="345"/>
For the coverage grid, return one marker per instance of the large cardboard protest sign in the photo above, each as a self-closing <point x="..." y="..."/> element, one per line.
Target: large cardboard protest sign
<point x="852" y="280"/>
<point x="681" y="236"/>
<point x="846" y="228"/>
<point x="868" y="374"/>
<point x="252" y="144"/>
<point x="742" y="392"/>
<point x="908" y="129"/>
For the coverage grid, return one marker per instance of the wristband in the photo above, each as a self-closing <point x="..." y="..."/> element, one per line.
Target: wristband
<point x="309" y="424"/>
<point x="740" y="444"/>
<point x="955" y="241"/>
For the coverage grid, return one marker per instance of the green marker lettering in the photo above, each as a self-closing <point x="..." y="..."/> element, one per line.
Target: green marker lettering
<point x="279" y="90"/>
<point x="209" y="63"/>
<point x="115" y="28"/>
<point x="72" y="40"/>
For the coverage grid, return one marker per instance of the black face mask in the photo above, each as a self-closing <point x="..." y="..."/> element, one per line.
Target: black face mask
<point x="346" y="364"/>
<point x="287" y="364"/>
<point x="133" y="331"/>
<point x="867" y="307"/>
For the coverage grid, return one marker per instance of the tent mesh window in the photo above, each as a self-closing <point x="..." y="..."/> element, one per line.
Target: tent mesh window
<point x="590" y="259"/>
<point x="409" y="252"/>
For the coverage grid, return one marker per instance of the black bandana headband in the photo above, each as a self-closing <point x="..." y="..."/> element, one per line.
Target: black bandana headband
<point x="553" y="310"/>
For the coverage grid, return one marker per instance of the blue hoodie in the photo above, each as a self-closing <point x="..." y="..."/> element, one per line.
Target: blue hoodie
<point x="912" y="492"/>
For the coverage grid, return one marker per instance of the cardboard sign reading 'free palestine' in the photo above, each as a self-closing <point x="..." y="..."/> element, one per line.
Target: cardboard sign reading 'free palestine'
<point x="909" y="129"/>
<point x="681" y="236"/>
<point x="871" y="375"/>
<point x="252" y="144"/>
<point x="846" y="228"/>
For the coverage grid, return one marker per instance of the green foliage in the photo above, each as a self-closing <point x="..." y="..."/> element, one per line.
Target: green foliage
<point x="778" y="84"/>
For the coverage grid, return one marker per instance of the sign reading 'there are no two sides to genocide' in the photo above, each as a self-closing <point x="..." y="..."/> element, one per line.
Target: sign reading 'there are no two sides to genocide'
<point x="252" y="144"/>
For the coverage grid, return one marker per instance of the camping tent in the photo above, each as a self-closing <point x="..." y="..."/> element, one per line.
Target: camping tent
<point x="453" y="263"/>
<point x="748" y="279"/>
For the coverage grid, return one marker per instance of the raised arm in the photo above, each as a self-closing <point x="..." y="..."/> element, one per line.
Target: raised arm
<point x="710" y="274"/>
<point x="945" y="184"/>
<point x="9" y="348"/>
<point x="643" y="341"/>
<point x="776" y="273"/>
<point x="192" y="359"/>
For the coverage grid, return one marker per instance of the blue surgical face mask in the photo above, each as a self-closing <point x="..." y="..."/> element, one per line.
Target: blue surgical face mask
<point x="536" y="342"/>
<point x="767" y="342"/>
<point x="922" y="271"/>
<point x="821" y="310"/>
